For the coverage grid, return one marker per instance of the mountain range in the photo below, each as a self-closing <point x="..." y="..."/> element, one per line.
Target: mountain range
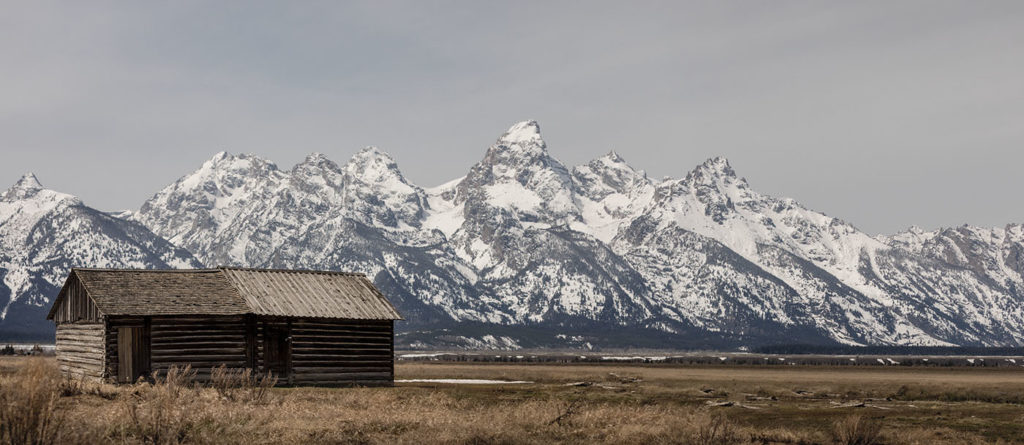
<point x="524" y="251"/>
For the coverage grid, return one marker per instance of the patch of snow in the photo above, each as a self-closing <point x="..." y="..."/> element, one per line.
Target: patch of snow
<point x="465" y="381"/>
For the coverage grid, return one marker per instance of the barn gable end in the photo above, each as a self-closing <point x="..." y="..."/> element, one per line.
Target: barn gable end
<point x="73" y="303"/>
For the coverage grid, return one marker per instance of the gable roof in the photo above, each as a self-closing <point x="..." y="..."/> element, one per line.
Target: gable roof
<point x="233" y="291"/>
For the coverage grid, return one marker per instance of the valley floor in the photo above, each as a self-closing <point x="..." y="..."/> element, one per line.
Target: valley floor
<point x="559" y="403"/>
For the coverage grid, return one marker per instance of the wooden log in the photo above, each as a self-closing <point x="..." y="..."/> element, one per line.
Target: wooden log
<point x="239" y="350"/>
<point x="342" y="330"/>
<point x="198" y="330"/>
<point x="340" y="322"/>
<point x="204" y="320"/>
<point x="342" y="346"/>
<point x="339" y="364"/>
<point x="345" y="352"/>
<point x="340" y="369"/>
<point x="168" y="345"/>
<point x="160" y="366"/>
<point x="89" y="347"/>
<point x="79" y="371"/>
<point x="384" y="342"/>
<point x="333" y="356"/>
<point x="74" y="327"/>
<point x="81" y="361"/>
<point x="86" y="355"/>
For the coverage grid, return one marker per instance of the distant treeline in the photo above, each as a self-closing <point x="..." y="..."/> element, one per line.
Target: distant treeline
<point x="889" y="350"/>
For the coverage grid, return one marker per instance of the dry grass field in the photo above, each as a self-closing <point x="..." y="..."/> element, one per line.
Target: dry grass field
<point x="563" y="404"/>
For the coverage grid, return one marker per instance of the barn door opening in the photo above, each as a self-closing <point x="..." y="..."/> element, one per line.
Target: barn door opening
<point x="132" y="354"/>
<point x="276" y="351"/>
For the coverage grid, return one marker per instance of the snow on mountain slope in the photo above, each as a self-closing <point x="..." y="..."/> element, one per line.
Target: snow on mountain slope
<point x="43" y="234"/>
<point x="523" y="241"/>
<point x="815" y="255"/>
<point x="201" y="211"/>
<point x="514" y="210"/>
<point x="610" y="194"/>
<point x="242" y="210"/>
<point x="859" y="288"/>
<point x="375" y="189"/>
<point x="964" y="283"/>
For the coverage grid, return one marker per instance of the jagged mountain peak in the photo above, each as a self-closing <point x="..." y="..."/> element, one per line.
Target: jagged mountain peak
<point x="316" y="163"/>
<point x="376" y="192"/>
<point x="716" y="174"/>
<point x="28" y="181"/>
<point x="521" y="145"/>
<point x="518" y="174"/>
<point x="226" y="170"/>
<point x="613" y="160"/>
<point x="917" y="230"/>
<point x="43" y="233"/>
<point x="522" y="133"/>
<point x="608" y="174"/>
<point x="522" y="240"/>
<point x="373" y="165"/>
<point x="224" y="159"/>
<point x="373" y="151"/>
<point x="613" y="157"/>
<point x="315" y="158"/>
<point x="717" y="166"/>
<point x="315" y="176"/>
<point x="26" y="187"/>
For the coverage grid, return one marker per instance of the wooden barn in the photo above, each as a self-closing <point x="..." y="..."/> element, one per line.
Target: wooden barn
<point x="306" y="327"/>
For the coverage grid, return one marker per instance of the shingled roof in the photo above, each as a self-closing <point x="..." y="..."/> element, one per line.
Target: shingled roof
<point x="231" y="291"/>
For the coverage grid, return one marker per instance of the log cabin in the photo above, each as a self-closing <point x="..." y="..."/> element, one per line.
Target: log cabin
<point x="305" y="327"/>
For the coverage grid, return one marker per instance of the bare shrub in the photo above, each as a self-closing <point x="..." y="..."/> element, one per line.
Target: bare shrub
<point x="162" y="412"/>
<point x="713" y="429"/>
<point x="242" y="384"/>
<point x="72" y="386"/>
<point x="28" y="405"/>
<point x="857" y="430"/>
<point x="568" y="410"/>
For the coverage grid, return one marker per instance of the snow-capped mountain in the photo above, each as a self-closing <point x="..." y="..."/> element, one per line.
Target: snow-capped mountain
<point x="525" y="251"/>
<point x="44" y="233"/>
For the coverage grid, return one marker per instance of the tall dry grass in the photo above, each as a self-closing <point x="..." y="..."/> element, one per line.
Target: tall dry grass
<point x="241" y="408"/>
<point x="28" y="405"/>
<point x="857" y="430"/>
<point x="242" y="385"/>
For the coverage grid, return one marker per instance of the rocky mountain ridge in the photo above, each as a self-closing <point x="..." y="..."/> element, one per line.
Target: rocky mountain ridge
<point x="43" y="234"/>
<point x="597" y="254"/>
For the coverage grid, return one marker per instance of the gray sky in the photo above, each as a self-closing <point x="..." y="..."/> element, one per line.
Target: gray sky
<point x="884" y="114"/>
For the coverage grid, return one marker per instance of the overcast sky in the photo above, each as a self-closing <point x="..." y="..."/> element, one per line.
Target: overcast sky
<point x="885" y="114"/>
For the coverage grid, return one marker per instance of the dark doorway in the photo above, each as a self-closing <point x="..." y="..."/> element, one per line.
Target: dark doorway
<point x="276" y="351"/>
<point x="132" y="354"/>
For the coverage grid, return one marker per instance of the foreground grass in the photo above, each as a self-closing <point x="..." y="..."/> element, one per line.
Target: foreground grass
<point x="570" y="404"/>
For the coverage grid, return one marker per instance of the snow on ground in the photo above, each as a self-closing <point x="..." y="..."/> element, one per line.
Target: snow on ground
<point x="465" y="381"/>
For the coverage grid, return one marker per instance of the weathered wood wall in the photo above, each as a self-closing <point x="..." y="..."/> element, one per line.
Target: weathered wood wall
<point x="204" y="342"/>
<point x="75" y="305"/>
<point x="342" y="352"/>
<point x="320" y="351"/>
<point x="79" y="349"/>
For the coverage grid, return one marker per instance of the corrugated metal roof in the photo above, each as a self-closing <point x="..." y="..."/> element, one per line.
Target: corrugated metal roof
<point x="229" y="291"/>
<point x="306" y="293"/>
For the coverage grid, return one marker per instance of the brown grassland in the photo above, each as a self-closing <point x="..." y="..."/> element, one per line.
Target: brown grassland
<point x="631" y="404"/>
